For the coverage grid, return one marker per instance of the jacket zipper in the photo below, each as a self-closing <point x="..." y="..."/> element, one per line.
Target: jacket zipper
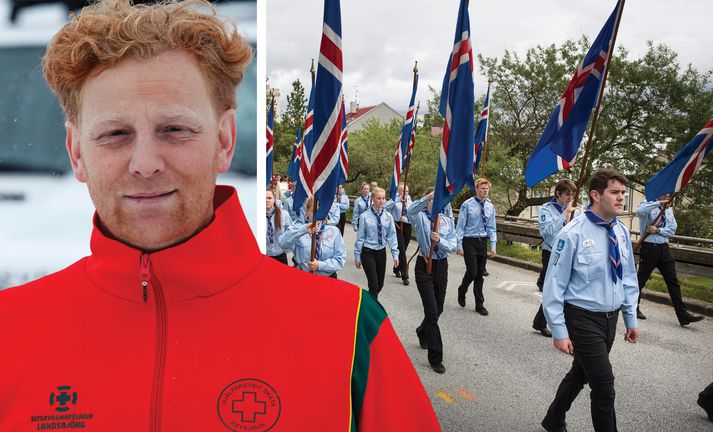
<point x="160" y="350"/>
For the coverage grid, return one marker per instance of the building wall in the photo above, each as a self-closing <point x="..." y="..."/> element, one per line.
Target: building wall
<point x="383" y="113"/>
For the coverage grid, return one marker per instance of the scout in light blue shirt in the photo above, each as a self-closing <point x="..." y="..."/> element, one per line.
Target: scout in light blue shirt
<point x="448" y="211"/>
<point x="330" y="253"/>
<point x="395" y="208"/>
<point x="273" y="229"/>
<point x="591" y="277"/>
<point x="656" y="254"/>
<point x="341" y="199"/>
<point x="553" y="217"/>
<point x="361" y="204"/>
<point x="421" y="221"/>
<point x="332" y="216"/>
<point x="470" y="221"/>
<point x="368" y="233"/>
<point x="647" y="212"/>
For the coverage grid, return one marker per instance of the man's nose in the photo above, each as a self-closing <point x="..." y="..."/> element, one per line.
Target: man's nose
<point x="146" y="159"/>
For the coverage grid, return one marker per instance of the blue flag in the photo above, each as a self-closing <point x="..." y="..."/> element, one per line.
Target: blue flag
<point x="402" y="147"/>
<point x="293" y="167"/>
<point x="563" y="133"/>
<point x="270" y="140"/>
<point x="455" y="164"/>
<point x="344" y="150"/>
<point x="481" y="132"/>
<point x="678" y="173"/>
<point x="328" y="111"/>
<point x="302" y="189"/>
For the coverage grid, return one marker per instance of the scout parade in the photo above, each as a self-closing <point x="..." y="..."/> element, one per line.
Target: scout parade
<point x="593" y="270"/>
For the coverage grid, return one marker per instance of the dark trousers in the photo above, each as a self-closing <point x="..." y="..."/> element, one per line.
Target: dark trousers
<point x="705" y="397"/>
<point x="475" y="254"/>
<point x="374" y="264"/>
<point x="403" y="239"/>
<point x="282" y="258"/>
<point x="540" y="321"/>
<point x="658" y="256"/>
<point x="432" y="289"/>
<point x="592" y="335"/>
<point x="342" y="221"/>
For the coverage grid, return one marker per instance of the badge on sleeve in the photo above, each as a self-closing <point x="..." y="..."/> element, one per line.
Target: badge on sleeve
<point x="542" y="217"/>
<point x="556" y="260"/>
<point x="560" y="245"/>
<point x="588" y="243"/>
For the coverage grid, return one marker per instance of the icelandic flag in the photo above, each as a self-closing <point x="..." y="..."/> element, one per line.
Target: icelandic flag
<point x="402" y="147"/>
<point x="343" y="150"/>
<point x="325" y="153"/>
<point x="481" y="132"/>
<point x="559" y="142"/>
<point x="293" y="167"/>
<point x="270" y="140"/>
<point x="455" y="164"/>
<point x="303" y="190"/>
<point x="678" y="173"/>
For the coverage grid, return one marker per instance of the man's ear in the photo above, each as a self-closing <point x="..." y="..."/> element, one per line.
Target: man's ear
<point x="75" y="156"/>
<point x="226" y="139"/>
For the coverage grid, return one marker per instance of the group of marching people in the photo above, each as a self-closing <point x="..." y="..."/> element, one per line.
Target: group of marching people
<point x="383" y="226"/>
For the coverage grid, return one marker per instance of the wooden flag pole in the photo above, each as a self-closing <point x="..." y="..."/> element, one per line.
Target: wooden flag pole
<point x="593" y="127"/>
<point x="436" y="220"/>
<point x="313" y="250"/>
<point x="272" y="162"/>
<point x="645" y="234"/>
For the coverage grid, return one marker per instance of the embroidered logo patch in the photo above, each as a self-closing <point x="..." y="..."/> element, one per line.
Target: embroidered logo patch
<point x="542" y="217"/>
<point x="588" y="243"/>
<point x="560" y="244"/>
<point x="62" y="403"/>
<point x="249" y="405"/>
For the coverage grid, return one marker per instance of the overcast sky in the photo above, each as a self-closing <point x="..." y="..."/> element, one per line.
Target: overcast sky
<point x="381" y="39"/>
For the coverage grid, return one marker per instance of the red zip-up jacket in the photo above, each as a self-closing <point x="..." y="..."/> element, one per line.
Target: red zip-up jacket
<point x="208" y="335"/>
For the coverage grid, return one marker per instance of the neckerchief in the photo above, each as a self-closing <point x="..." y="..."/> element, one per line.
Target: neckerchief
<point x="378" y="224"/>
<point x="556" y="204"/>
<point x="317" y="243"/>
<point x="366" y="200"/>
<point x="482" y="211"/>
<point x="662" y="222"/>
<point x="614" y="255"/>
<point x="270" y="230"/>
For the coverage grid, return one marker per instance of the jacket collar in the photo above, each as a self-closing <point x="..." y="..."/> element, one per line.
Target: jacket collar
<point x="213" y="260"/>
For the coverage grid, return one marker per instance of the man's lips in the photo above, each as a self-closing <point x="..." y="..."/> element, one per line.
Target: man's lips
<point x="149" y="196"/>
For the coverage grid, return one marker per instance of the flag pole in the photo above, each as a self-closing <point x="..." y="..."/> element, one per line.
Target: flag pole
<point x="408" y="158"/>
<point x="593" y="127"/>
<point x="429" y="263"/>
<point x="313" y="250"/>
<point x="487" y="126"/>
<point x="272" y="162"/>
<point x="645" y="234"/>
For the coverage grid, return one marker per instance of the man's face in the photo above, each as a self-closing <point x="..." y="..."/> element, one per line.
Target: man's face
<point x="149" y="145"/>
<point x="609" y="203"/>
<point x="482" y="191"/>
<point x="565" y="197"/>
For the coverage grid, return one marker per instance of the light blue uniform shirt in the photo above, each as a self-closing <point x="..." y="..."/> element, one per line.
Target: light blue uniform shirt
<point x="647" y="212"/>
<point x="332" y="216"/>
<point x="285" y="222"/>
<point x="342" y="201"/>
<point x="333" y="254"/>
<point x="448" y="211"/>
<point x="422" y="225"/>
<point x="551" y="222"/>
<point x="579" y="273"/>
<point x="470" y="224"/>
<point x="394" y="207"/>
<point x="287" y="205"/>
<point x="367" y="235"/>
<point x="361" y="204"/>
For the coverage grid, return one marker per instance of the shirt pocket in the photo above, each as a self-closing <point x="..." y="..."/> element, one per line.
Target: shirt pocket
<point x="592" y="265"/>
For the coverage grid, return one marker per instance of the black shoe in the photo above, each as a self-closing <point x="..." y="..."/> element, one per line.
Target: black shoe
<point x="397" y="272"/>
<point x="708" y="409"/>
<point x="485" y="273"/>
<point x="544" y="331"/>
<point x="421" y="341"/>
<point x="549" y="427"/>
<point x="461" y="300"/>
<point x="406" y="282"/>
<point x="439" y="368"/>
<point x="481" y="310"/>
<point x="640" y="315"/>
<point x="689" y="318"/>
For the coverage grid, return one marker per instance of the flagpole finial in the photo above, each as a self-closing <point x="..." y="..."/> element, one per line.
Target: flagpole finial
<point x="415" y="67"/>
<point x="490" y="79"/>
<point x="418" y="105"/>
<point x="312" y="70"/>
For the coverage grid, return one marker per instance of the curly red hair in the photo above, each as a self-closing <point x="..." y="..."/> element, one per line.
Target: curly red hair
<point x="104" y="33"/>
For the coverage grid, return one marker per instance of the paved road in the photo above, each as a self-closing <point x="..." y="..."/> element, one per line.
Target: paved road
<point x="501" y="375"/>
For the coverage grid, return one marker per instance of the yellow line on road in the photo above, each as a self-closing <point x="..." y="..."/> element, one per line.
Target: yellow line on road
<point x="465" y="394"/>
<point x="445" y="397"/>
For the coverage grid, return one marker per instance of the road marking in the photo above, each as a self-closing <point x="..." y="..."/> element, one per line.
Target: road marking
<point x="445" y="397"/>
<point x="465" y="394"/>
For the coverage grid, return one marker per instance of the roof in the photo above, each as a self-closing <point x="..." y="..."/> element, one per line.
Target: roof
<point x="359" y="112"/>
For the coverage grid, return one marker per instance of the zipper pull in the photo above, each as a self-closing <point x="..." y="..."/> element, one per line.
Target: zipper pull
<point x="145" y="276"/>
